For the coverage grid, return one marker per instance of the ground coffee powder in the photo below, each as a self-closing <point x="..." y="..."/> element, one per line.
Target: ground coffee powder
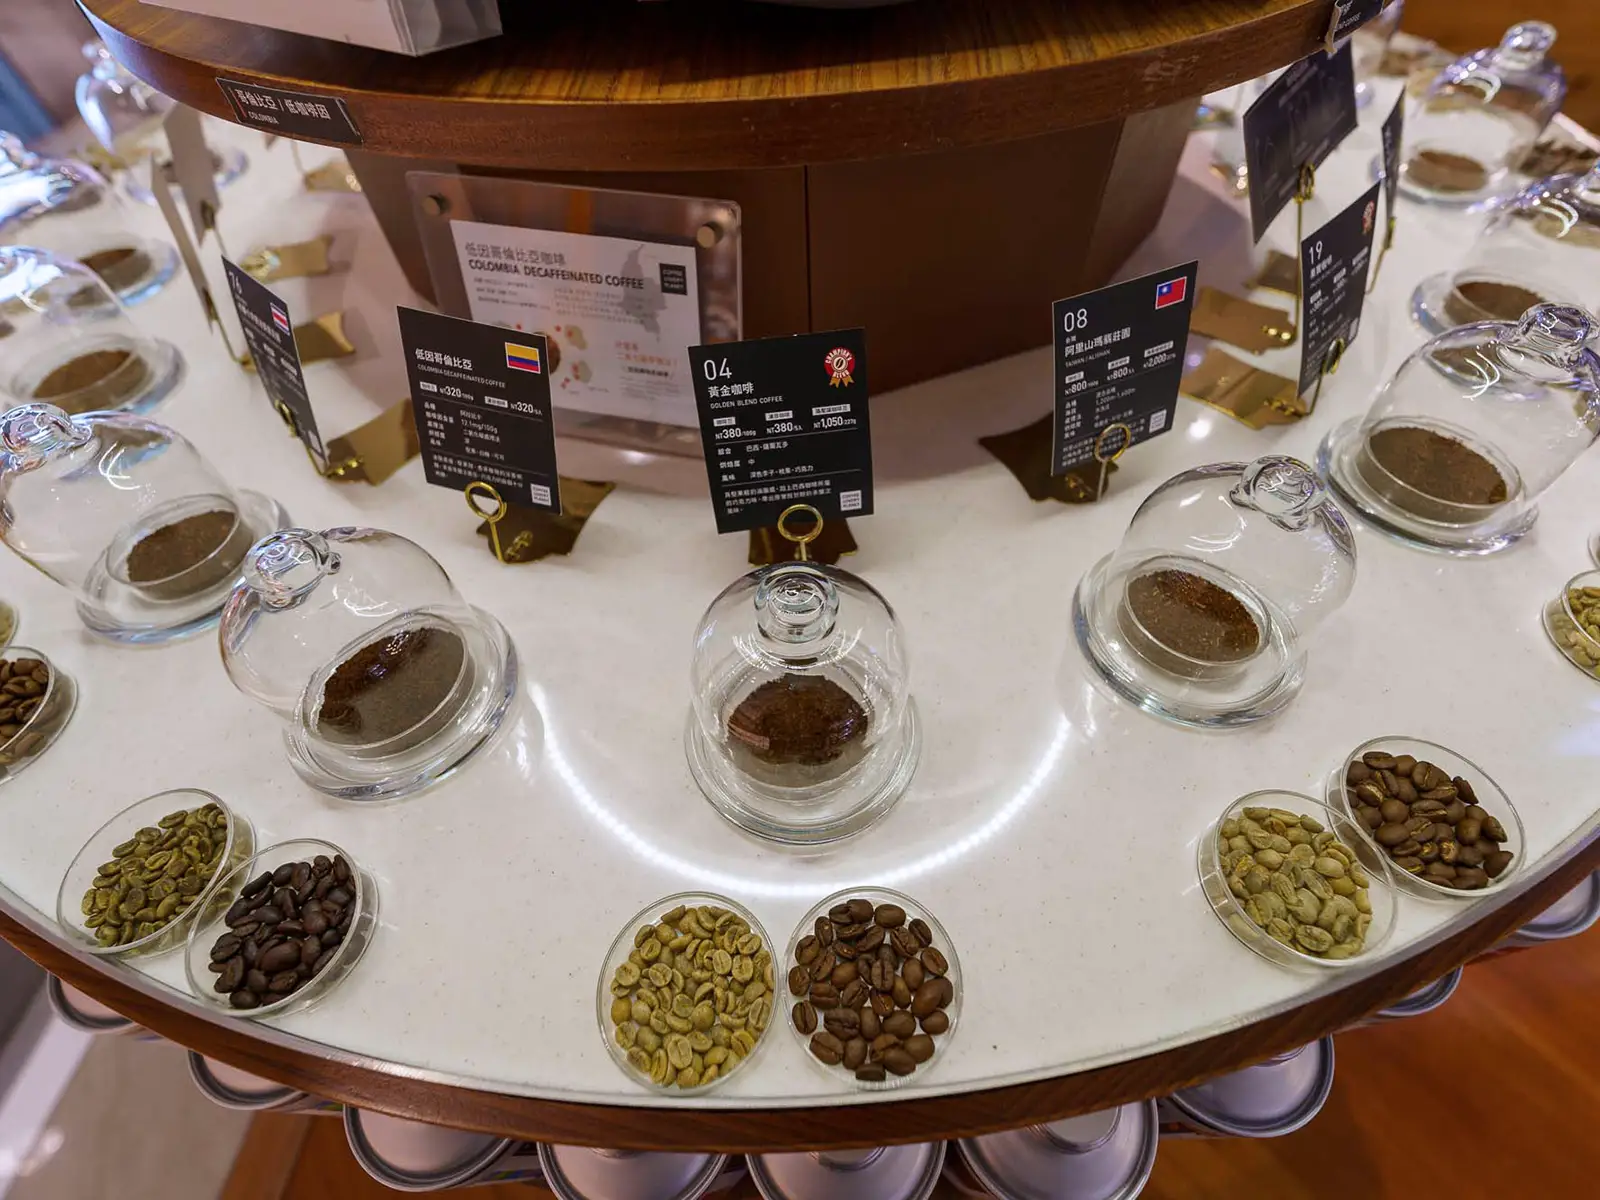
<point x="392" y="686"/>
<point x="96" y="380"/>
<point x="120" y="266"/>
<point x="1487" y="300"/>
<point x="1441" y="171"/>
<point x="802" y="720"/>
<point x="1193" y="616"/>
<point x="1437" y="466"/>
<point x="182" y="558"/>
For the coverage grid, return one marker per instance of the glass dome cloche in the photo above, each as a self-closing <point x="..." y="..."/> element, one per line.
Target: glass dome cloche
<point x="1479" y="116"/>
<point x="1458" y="446"/>
<point x="128" y="516"/>
<point x="1541" y="247"/>
<point x="31" y="186"/>
<point x="65" y="340"/>
<point x="385" y="678"/>
<point x="802" y="727"/>
<point x="1202" y="614"/>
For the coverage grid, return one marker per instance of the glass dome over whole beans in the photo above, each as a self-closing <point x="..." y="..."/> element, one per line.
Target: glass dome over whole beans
<point x="1203" y="613"/>
<point x="128" y="516"/>
<point x="386" y="679"/>
<point x="1460" y="444"/>
<point x="802" y="727"/>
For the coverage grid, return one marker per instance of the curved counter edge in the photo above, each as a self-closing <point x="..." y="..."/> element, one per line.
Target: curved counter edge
<point x="182" y="55"/>
<point x="405" y="1092"/>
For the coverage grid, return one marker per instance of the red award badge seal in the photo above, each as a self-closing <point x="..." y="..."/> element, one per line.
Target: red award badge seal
<point x="840" y="362"/>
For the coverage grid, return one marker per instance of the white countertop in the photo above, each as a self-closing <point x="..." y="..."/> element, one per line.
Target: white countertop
<point x="1049" y="827"/>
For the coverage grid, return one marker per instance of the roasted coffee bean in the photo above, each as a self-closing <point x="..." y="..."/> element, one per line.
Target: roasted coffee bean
<point x="1468" y="878"/>
<point x="882" y="1003"/>
<point x="799" y="980"/>
<point x="1357" y="772"/>
<point x="1493" y="831"/>
<point x="926" y="998"/>
<point x="312" y="920"/>
<point x="255" y="981"/>
<point x="244" y="999"/>
<point x="824" y="995"/>
<point x="332" y="938"/>
<point x="890" y="916"/>
<point x="805" y="1018"/>
<point x="845" y="952"/>
<point x="901" y="993"/>
<point x="827" y="1048"/>
<point x="872" y="938"/>
<point x="839" y="914"/>
<point x="1432" y="820"/>
<point x="806" y="952"/>
<point x="850" y="932"/>
<point x="1495" y="863"/>
<point x="1404" y="764"/>
<point x="283" y="874"/>
<point x="881" y="1045"/>
<point x="860" y="910"/>
<point x="936" y="1022"/>
<point x="256" y="886"/>
<point x="341" y="869"/>
<point x="905" y="942"/>
<point x="280" y="957"/>
<point x="1378" y="760"/>
<point x="1464" y="789"/>
<point x="824" y="964"/>
<point x="912" y="972"/>
<point x="1369" y="816"/>
<point x="871" y="1023"/>
<point x="919" y="1047"/>
<point x="1392" y="833"/>
<point x="947" y="991"/>
<point x="844" y="974"/>
<point x="238" y="911"/>
<point x="934" y="962"/>
<point x="871" y="1073"/>
<point x="1394" y="811"/>
<point x="227" y="946"/>
<point x="898" y="1062"/>
<point x="900" y="1023"/>
<point x="232" y="976"/>
<point x="855" y="994"/>
<point x="283" y="982"/>
<point x="824" y="931"/>
<point x="855" y="1053"/>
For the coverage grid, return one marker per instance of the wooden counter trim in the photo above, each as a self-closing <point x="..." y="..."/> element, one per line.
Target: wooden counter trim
<point x="295" y="1062"/>
<point x="709" y="86"/>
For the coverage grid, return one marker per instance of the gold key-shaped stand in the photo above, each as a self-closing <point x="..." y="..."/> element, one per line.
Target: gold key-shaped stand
<point x="530" y="535"/>
<point x="778" y="543"/>
<point x="1026" y="452"/>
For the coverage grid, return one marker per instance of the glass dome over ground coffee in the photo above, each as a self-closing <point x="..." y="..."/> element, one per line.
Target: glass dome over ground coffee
<point x="386" y="679"/>
<point x="802" y="727"/>
<point x="1202" y="614"/>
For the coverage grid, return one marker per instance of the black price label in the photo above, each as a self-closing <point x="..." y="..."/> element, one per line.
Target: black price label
<point x="784" y="421"/>
<point x="1393" y="127"/>
<point x="269" y="333"/>
<point x="1333" y="280"/>
<point x="293" y="114"/>
<point x="1296" y="123"/>
<point x="1119" y="360"/>
<point x="482" y="404"/>
<point x="1350" y="15"/>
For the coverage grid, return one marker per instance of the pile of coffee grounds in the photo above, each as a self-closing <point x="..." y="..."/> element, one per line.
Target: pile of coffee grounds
<point x="798" y="719"/>
<point x="1437" y="466"/>
<point x="120" y="266"/>
<point x="98" y="379"/>
<point x="1487" y="300"/>
<point x="177" y="547"/>
<point x="1441" y="171"/>
<point x="390" y="686"/>
<point x="1193" y="616"/>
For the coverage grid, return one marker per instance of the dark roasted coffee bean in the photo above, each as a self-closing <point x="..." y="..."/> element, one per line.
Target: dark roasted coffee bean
<point x="1357" y="772"/>
<point x="919" y="1047"/>
<point x="901" y="993"/>
<point x="266" y="914"/>
<point x="332" y="938"/>
<point x="289" y="928"/>
<point x="843" y="1023"/>
<point x="248" y="929"/>
<point x="324" y="960"/>
<point x="285" y="901"/>
<point x="844" y="974"/>
<point x="227" y="946"/>
<point x="934" y="961"/>
<point x="947" y="991"/>
<point x="850" y="932"/>
<point x="871" y="1073"/>
<point x="217" y="968"/>
<point x="855" y="994"/>
<point x="839" y="914"/>
<point x="890" y="916"/>
<point x="1371" y="792"/>
<point x="1493" y="831"/>
<point x="1378" y="760"/>
<point x="904" y="941"/>
<point x="845" y="951"/>
<point x="871" y="1024"/>
<point x="824" y="995"/>
<point x="1469" y="829"/>
<point x="1369" y="816"/>
<point x="1394" y="811"/>
<point x="860" y="910"/>
<point x="251" y="950"/>
<point x="244" y="999"/>
<point x="341" y="869"/>
<point x="806" y="952"/>
<point x="823" y="965"/>
<point x="321" y="865"/>
<point x="898" y="1062"/>
<point x="1496" y="862"/>
<point x="799" y="980"/>
<point x="920" y="927"/>
<point x="232" y="975"/>
<point x="302" y="878"/>
<point x="324" y="886"/>
<point x="882" y="1003"/>
<point x="936" y="1022"/>
<point x="310" y="950"/>
<point x="239" y="910"/>
<point x="282" y="875"/>
<point x="280" y="957"/>
<point x="855" y="1052"/>
<point x="825" y="931"/>
<point x="283" y="982"/>
<point x="1464" y="790"/>
<point x="805" y="1017"/>
<point x="902" y="1024"/>
<point x="827" y="1048"/>
<point x="312" y="920"/>
<point x="872" y="938"/>
<point x="1404" y="764"/>
<point x="339" y="895"/>
<point x="257" y="885"/>
<point x="255" y="981"/>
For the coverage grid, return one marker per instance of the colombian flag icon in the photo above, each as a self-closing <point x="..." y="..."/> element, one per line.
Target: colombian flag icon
<point x="523" y="358"/>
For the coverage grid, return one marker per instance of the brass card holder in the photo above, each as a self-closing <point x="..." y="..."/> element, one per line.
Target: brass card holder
<point x="296" y="260"/>
<point x="1025" y="452"/>
<point x="1255" y="397"/>
<point x="1255" y="328"/>
<point x="1280" y="273"/>
<point x="334" y="175"/>
<point x="779" y="543"/>
<point x="521" y="535"/>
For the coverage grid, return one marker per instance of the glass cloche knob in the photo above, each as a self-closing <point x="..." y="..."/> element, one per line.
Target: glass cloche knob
<point x="1556" y="333"/>
<point x="31" y="433"/>
<point x="1526" y="44"/>
<point x="285" y="566"/>
<point x="1284" y="490"/>
<point x="796" y="603"/>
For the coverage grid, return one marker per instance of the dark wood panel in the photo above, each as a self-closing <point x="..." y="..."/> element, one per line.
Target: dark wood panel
<point x="617" y="85"/>
<point x="667" y="1127"/>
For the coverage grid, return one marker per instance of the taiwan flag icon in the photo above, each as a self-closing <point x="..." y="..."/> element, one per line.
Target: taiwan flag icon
<point x="1172" y="291"/>
<point x="523" y="358"/>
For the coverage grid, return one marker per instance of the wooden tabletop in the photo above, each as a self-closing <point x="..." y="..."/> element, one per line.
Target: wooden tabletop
<point x="618" y="85"/>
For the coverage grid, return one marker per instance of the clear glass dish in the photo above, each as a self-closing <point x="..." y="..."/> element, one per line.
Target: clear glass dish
<point x="209" y="926"/>
<point x="1489" y="797"/>
<point x="385" y="678"/>
<point x="801" y="727"/>
<point x="941" y="941"/>
<point x="238" y="841"/>
<point x="619" y="953"/>
<point x="69" y="343"/>
<point x="128" y="516"/>
<point x="1458" y="446"/>
<point x="1540" y="247"/>
<point x="42" y="726"/>
<point x="1203" y="614"/>
<point x="1578" y="641"/>
<point x="1230" y="909"/>
<point x="1480" y="116"/>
